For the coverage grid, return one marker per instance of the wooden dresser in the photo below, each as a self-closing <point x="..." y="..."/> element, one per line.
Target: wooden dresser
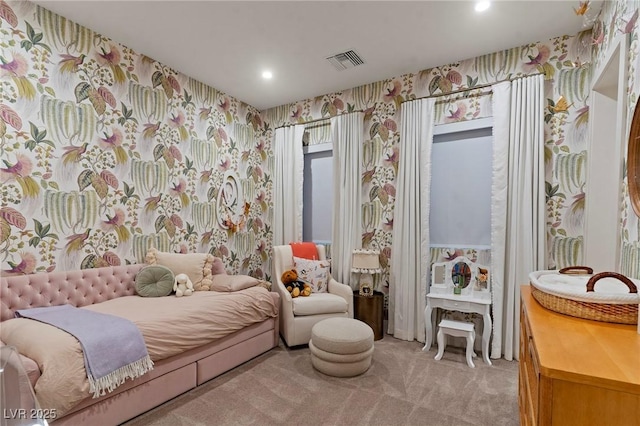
<point x="575" y="371"/>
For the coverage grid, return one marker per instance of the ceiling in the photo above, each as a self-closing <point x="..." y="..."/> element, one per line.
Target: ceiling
<point x="227" y="44"/>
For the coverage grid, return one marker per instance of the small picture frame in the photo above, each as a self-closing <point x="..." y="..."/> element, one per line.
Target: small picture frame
<point x="365" y="290"/>
<point x="366" y="286"/>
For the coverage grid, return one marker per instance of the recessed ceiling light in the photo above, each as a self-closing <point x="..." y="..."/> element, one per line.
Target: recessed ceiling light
<point x="267" y="75"/>
<point x="481" y="6"/>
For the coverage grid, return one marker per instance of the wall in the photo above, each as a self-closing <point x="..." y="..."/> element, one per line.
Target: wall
<point x="620" y="17"/>
<point x="565" y="61"/>
<point x="86" y="193"/>
<point x="106" y="152"/>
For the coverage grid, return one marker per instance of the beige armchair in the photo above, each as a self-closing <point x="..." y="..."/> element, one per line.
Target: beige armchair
<point x="298" y="315"/>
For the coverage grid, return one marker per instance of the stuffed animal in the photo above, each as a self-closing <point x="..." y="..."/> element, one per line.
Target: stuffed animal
<point x="293" y="285"/>
<point x="183" y="285"/>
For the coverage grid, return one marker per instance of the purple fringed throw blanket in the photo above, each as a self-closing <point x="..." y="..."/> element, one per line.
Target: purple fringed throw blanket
<point x="113" y="347"/>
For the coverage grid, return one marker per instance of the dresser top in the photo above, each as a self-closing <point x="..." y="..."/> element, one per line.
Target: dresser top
<point x="586" y="351"/>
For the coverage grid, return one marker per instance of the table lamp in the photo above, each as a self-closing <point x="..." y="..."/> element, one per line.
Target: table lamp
<point x="366" y="262"/>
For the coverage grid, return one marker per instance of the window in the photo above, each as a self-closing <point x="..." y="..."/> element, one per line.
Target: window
<point x="317" y="191"/>
<point x="461" y="171"/>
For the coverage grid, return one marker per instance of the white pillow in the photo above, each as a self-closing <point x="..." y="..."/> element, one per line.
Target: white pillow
<point x="315" y="272"/>
<point x="197" y="266"/>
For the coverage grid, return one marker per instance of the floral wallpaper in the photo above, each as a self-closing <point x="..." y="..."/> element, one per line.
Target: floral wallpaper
<point x="565" y="63"/>
<point x="620" y="17"/>
<point x="106" y="152"/>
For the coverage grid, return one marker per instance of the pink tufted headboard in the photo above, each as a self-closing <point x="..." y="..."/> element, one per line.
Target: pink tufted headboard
<point x="77" y="288"/>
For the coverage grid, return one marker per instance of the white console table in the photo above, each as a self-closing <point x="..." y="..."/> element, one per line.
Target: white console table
<point x="462" y="303"/>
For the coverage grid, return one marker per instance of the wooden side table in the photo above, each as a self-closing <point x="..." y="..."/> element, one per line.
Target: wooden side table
<point x="369" y="309"/>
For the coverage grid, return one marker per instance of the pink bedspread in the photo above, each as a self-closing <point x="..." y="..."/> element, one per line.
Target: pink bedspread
<point x="170" y="325"/>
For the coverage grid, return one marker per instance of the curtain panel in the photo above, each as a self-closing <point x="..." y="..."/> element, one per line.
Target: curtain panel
<point x="347" y="136"/>
<point x="518" y="233"/>
<point x="410" y="255"/>
<point x="288" y="177"/>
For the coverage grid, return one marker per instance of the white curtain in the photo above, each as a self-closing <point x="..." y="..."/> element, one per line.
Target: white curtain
<point x="517" y="203"/>
<point x="288" y="175"/>
<point x="410" y="254"/>
<point x="347" y="136"/>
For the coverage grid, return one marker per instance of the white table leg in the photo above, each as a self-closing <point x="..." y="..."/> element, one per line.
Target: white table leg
<point x="442" y="342"/>
<point x="486" y="335"/>
<point x="470" y="338"/>
<point x="428" y="328"/>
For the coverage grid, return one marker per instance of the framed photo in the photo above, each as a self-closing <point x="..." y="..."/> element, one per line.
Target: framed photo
<point x="366" y="285"/>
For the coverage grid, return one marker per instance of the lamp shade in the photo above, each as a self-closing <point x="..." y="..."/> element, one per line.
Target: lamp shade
<point x="366" y="261"/>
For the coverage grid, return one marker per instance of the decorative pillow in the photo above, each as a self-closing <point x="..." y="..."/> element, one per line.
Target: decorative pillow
<point x="197" y="266"/>
<point x="315" y="272"/>
<point x="224" y="282"/>
<point x="218" y="267"/>
<point x="304" y="250"/>
<point x="154" y="281"/>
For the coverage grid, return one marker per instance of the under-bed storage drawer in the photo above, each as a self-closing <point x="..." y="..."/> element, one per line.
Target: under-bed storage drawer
<point x="128" y="404"/>
<point x="223" y="361"/>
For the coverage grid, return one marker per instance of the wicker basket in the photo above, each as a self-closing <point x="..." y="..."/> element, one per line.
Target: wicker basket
<point x="625" y="313"/>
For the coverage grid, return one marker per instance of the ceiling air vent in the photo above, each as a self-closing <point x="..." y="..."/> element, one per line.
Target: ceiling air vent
<point x="344" y="60"/>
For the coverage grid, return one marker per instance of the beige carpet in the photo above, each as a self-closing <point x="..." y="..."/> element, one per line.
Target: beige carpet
<point x="404" y="386"/>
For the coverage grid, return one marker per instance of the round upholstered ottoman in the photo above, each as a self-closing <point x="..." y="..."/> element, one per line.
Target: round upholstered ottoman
<point x="341" y="347"/>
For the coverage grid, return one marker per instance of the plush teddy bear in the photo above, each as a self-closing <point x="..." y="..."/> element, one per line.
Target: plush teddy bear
<point x="293" y="285"/>
<point x="183" y="285"/>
